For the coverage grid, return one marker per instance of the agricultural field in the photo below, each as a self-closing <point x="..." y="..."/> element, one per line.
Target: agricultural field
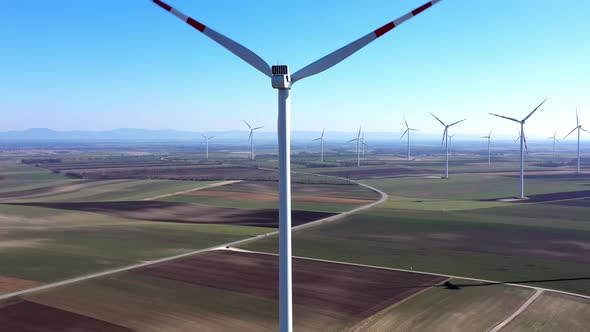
<point x="553" y="312"/>
<point x="228" y="290"/>
<point x="536" y="244"/>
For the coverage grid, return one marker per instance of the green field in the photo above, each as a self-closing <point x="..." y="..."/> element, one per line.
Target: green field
<point x="47" y="245"/>
<point x="15" y="177"/>
<point x="530" y="243"/>
<point x="553" y="312"/>
<point x="471" y="307"/>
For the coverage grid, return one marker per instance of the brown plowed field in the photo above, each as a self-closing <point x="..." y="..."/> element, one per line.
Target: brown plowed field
<point x="185" y="212"/>
<point x="10" y="284"/>
<point x="258" y="197"/>
<point x="26" y="316"/>
<point x="360" y="174"/>
<point x="342" y="289"/>
<point x="49" y="190"/>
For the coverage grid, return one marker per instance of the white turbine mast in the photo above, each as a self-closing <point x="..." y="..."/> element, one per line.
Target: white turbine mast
<point x="555" y="140"/>
<point x="489" y="138"/>
<point x="251" y="138"/>
<point x="579" y="128"/>
<point x="207" y="145"/>
<point x="445" y="142"/>
<point x="407" y="132"/>
<point x="322" y="141"/>
<point x="358" y="147"/>
<point x="283" y="81"/>
<point x="522" y="142"/>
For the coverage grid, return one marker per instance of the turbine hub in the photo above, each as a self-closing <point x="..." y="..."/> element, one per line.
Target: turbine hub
<point x="280" y="77"/>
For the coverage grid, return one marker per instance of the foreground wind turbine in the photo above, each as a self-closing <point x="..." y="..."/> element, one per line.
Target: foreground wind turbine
<point x="322" y="141"/>
<point x="251" y="139"/>
<point x="282" y="81"/>
<point x="489" y="138"/>
<point x="407" y="132"/>
<point x="207" y="145"/>
<point x="554" y="138"/>
<point x="445" y="142"/>
<point x="522" y="143"/>
<point x="578" y="127"/>
<point x="358" y="140"/>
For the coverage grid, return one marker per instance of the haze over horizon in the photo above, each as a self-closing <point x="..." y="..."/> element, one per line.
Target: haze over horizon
<point x="105" y="65"/>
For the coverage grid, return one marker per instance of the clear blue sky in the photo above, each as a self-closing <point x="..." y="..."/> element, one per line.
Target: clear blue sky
<point x="95" y="65"/>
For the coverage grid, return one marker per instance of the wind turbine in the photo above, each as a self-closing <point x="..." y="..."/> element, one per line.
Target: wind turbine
<point x="322" y="141"/>
<point x="489" y="138"/>
<point x="251" y="138"/>
<point x="207" y="145"/>
<point x="445" y="142"/>
<point x="407" y="132"/>
<point x="554" y="138"/>
<point x="358" y="140"/>
<point x="282" y="81"/>
<point x="363" y="143"/>
<point x="578" y="127"/>
<point x="522" y="143"/>
<point x="451" y="144"/>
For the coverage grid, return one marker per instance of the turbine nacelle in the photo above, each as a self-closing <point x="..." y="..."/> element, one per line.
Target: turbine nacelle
<point x="281" y="79"/>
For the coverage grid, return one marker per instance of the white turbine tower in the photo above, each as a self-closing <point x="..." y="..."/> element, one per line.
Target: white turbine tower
<point x="322" y="141"/>
<point x="522" y="143"/>
<point x="579" y="128"/>
<point x="407" y="132"/>
<point x="207" y="145"/>
<point x="282" y="81"/>
<point x="489" y="138"/>
<point x="251" y="138"/>
<point x="445" y="142"/>
<point x="358" y="140"/>
<point x="554" y="138"/>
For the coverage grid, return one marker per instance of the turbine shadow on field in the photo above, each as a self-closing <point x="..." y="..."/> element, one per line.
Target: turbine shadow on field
<point x="457" y="286"/>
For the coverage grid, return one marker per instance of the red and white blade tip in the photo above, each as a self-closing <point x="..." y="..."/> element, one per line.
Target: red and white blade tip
<point x="189" y="20"/>
<point x="389" y="26"/>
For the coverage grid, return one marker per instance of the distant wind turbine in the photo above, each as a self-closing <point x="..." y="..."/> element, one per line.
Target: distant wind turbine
<point x="522" y="143"/>
<point x="489" y="138"/>
<point x="207" y="145"/>
<point x="579" y="128"/>
<point x="451" y="144"/>
<point x="554" y="138"/>
<point x="407" y="132"/>
<point x="251" y="138"/>
<point x="445" y="142"/>
<point x="363" y="143"/>
<point x="322" y="141"/>
<point x="358" y="147"/>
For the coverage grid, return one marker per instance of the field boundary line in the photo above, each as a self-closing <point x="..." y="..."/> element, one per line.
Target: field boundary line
<point x="383" y="198"/>
<point x="212" y="185"/>
<point x="517" y="312"/>
<point x="490" y="282"/>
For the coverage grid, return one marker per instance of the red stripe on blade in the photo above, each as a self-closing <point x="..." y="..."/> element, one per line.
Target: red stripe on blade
<point x="421" y="9"/>
<point x="163" y="5"/>
<point x="196" y="24"/>
<point x="384" y="29"/>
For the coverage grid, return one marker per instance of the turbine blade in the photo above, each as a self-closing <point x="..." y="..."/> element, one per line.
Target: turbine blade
<point x="490" y="134"/>
<point x="337" y="56"/>
<point x="570" y="132"/>
<point x="352" y="140"/>
<point x="442" y="123"/>
<point x="323" y="130"/>
<point x="577" y="120"/>
<point x="536" y="108"/>
<point x="258" y="128"/>
<point x="359" y="134"/>
<point x="585" y="130"/>
<point x="454" y="123"/>
<point x="247" y="124"/>
<point x="242" y="52"/>
<point x="505" y="117"/>
<point x="443" y="138"/>
<point x="317" y="139"/>
<point x="406" y="123"/>
<point x="211" y="137"/>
